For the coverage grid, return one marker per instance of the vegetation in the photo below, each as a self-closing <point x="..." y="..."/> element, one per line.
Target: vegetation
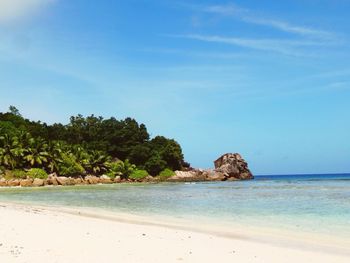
<point x="86" y="145"/>
<point x="37" y="173"/>
<point x="15" y="174"/>
<point x="165" y="174"/>
<point x="139" y="174"/>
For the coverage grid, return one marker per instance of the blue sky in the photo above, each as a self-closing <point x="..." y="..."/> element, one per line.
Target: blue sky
<point x="268" y="79"/>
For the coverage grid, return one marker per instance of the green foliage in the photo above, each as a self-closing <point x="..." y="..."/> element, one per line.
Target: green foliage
<point x="111" y="174"/>
<point x="155" y="164"/>
<point x="15" y="174"/>
<point x="138" y="174"/>
<point x="7" y="127"/>
<point x="165" y="174"/>
<point x="35" y="154"/>
<point x="69" y="166"/>
<point x="11" y="152"/>
<point x="169" y="151"/>
<point x="37" y="173"/>
<point x="86" y="144"/>
<point x="122" y="169"/>
<point x="96" y="162"/>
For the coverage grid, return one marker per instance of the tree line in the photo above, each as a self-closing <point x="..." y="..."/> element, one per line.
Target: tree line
<point x="86" y="145"/>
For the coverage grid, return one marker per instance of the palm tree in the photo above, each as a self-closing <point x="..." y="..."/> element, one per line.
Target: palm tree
<point x="11" y="152"/>
<point x="36" y="154"/>
<point x="81" y="155"/>
<point x="97" y="162"/>
<point x="24" y="138"/>
<point x="122" y="169"/>
<point x="54" y="157"/>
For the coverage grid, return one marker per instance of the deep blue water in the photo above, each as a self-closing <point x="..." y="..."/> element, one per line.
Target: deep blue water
<point x="314" y="203"/>
<point x="304" y="177"/>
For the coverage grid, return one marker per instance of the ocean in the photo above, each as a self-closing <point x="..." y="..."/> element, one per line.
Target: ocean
<point x="311" y="203"/>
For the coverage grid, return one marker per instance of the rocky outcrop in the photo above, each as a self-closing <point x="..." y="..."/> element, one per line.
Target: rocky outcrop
<point x="233" y="166"/>
<point x="61" y="180"/>
<point x="26" y="182"/>
<point x="52" y="179"/>
<point x="212" y="175"/>
<point x="78" y="181"/>
<point x="3" y="182"/>
<point x="38" y="182"/>
<point x="229" y="167"/>
<point x="187" y="176"/>
<point x="13" y="182"/>
<point x="90" y="179"/>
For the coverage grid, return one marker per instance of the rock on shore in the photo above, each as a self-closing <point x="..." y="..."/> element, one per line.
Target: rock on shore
<point x="229" y="167"/>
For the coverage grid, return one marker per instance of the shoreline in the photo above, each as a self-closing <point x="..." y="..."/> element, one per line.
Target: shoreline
<point x="250" y="238"/>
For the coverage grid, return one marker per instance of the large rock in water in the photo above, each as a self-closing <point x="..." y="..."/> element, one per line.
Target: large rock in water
<point x="233" y="166"/>
<point x="229" y="167"/>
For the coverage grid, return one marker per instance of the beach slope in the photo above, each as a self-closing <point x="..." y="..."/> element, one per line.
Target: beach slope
<point x="35" y="234"/>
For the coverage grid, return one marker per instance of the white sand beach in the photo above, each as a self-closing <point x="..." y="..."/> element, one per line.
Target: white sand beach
<point x="39" y="234"/>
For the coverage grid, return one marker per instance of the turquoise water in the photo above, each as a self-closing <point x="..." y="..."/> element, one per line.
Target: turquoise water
<point x="314" y="203"/>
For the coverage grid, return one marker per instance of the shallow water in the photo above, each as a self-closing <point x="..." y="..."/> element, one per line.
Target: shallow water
<point x="313" y="203"/>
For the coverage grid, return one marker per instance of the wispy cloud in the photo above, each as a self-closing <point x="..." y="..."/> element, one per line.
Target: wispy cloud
<point x="11" y="10"/>
<point x="287" y="47"/>
<point x="249" y="16"/>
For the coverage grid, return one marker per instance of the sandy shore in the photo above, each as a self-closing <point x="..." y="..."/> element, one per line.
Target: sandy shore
<point x="40" y="234"/>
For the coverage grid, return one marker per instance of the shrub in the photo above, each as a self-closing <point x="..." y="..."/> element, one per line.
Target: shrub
<point x="37" y="173"/>
<point x="15" y="174"/>
<point x="122" y="169"/>
<point x="165" y="174"/>
<point x="138" y="174"/>
<point x="111" y="174"/>
<point x="70" y="166"/>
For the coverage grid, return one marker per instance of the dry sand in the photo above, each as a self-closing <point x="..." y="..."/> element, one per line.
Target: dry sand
<point x="43" y="234"/>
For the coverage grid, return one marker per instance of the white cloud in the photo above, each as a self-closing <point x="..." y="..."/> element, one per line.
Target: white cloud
<point x="11" y="10"/>
<point x="287" y="47"/>
<point x="248" y="16"/>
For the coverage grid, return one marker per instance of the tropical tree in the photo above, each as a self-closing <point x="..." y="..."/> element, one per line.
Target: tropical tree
<point x="54" y="157"/>
<point x="122" y="169"/>
<point x="97" y="162"/>
<point x="36" y="154"/>
<point x="69" y="166"/>
<point x="11" y="152"/>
